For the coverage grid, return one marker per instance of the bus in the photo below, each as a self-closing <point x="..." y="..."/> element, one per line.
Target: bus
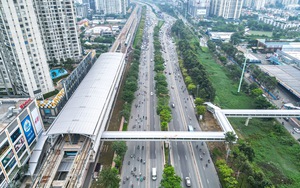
<point x="191" y="128"/>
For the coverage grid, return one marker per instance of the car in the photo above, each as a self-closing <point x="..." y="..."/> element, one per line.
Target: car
<point x="172" y="87"/>
<point x="173" y="105"/>
<point x="151" y="93"/>
<point x="188" y="181"/>
<point x="297" y="130"/>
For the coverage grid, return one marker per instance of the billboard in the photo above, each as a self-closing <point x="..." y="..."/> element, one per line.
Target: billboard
<point x="28" y="129"/>
<point x="37" y="121"/>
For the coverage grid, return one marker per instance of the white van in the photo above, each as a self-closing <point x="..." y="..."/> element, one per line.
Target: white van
<point x="154" y="176"/>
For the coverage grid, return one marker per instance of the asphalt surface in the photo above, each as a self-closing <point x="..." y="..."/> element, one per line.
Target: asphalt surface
<point x="143" y="117"/>
<point x="185" y="155"/>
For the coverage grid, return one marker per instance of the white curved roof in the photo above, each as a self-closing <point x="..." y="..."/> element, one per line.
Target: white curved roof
<point x="85" y="110"/>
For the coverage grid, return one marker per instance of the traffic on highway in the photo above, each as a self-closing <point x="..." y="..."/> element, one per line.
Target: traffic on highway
<point x="143" y="157"/>
<point x="144" y="161"/>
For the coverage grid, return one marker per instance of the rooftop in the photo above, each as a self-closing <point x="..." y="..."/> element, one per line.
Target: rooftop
<point x="9" y="109"/>
<point x="275" y="43"/>
<point x="286" y="75"/>
<point x="83" y="112"/>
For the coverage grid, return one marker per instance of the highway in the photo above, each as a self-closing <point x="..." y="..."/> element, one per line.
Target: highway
<point x="186" y="156"/>
<point x="182" y="155"/>
<point x="141" y="157"/>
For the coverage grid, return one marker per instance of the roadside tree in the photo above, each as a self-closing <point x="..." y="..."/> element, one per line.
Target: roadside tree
<point x="109" y="178"/>
<point x="120" y="148"/>
<point x="169" y="178"/>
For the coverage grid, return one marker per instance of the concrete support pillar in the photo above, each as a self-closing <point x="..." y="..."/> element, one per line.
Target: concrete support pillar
<point x="247" y="121"/>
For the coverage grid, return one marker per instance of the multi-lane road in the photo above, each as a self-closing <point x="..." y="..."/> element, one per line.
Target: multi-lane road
<point x="189" y="159"/>
<point x="141" y="157"/>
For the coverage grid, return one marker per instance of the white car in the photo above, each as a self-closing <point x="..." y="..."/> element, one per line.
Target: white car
<point x="297" y="130"/>
<point x="188" y="181"/>
<point x="151" y="93"/>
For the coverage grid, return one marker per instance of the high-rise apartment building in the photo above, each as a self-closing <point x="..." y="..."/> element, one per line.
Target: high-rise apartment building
<point x="57" y="23"/>
<point x="111" y="6"/>
<point x="289" y="2"/>
<point x="34" y="32"/>
<point x="198" y="8"/>
<point x="92" y="5"/>
<point x="259" y="4"/>
<point x="248" y="3"/>
<point x="23" y="61"/>
<point x="228" y="9"/>
<point x="82" y="10"/>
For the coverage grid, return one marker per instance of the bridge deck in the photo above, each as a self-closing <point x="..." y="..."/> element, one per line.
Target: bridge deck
<point x="162" y="136"/>
<point x="261" y="113"/>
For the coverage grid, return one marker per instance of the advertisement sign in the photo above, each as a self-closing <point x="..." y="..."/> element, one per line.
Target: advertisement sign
<point x="28" y="130"/>
<point x="25" y="103"/>
<point x="19" y="144"/>
<point x="37" y="120"/>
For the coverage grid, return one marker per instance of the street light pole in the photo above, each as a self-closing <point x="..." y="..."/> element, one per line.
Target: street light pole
<point x="242" y="76"/>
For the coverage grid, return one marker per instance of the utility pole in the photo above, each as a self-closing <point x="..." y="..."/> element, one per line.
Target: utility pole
<point x="242" y="76"/>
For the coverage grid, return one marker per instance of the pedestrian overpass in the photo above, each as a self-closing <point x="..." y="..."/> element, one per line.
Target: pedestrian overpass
<point x="219" y="114"/>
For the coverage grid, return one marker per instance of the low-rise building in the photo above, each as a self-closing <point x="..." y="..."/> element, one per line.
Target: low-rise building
<point x="281" y="23"/>
<point x="221" y="36"/>
<point x="100" y="30"/>
<point x="21" y="127"/>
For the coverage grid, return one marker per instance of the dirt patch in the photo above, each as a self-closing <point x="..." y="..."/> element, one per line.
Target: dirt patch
<point x="107" y="153"/>
<point x="209" y="123"/>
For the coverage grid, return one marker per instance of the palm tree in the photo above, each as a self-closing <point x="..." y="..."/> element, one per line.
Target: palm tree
<point x="230" y="138"/>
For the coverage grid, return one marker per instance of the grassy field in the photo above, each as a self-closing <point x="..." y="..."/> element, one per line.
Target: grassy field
<point x="266" y="33"/>
<point x="160" y="23"/>
<point x="276" y="152"/>
<point x="226" y="90"/>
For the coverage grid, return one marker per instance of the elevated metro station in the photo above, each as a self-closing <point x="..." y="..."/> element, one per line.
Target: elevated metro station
<point x="76" y="132"/>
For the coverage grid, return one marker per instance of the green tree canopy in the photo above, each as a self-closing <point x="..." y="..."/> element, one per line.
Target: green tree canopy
<point x="198" y="101"/>
<point x="256" y="92"/>
<point x="109" y="178"/>
<point x="120" y="148"/>
<point x="169" y="178"/>
<point x="261" y="103"/>
<point x="230" y="137"/>
<point x="188" y="80"/>
<point x="191" y="87"/>
<point x="201" y="109"/>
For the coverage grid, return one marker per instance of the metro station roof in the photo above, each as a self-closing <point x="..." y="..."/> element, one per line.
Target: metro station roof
<point x="84" y="111"/>
<point x="286" y="75"/>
